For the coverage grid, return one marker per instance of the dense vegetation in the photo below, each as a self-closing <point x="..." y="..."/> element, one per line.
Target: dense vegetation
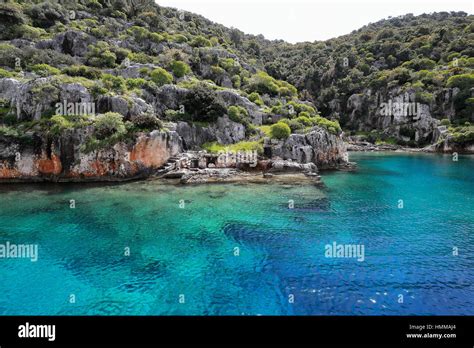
<point x="426" y="53"/>
<point x="304" y="85"/>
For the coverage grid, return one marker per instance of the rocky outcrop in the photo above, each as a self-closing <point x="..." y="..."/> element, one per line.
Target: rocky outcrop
<point x="168" y="97"/>
<point x="74" y="93"/>
<point x="63" y="159"/>
<point x="35" y="98"/>
<point x="129" y="108"/>
<point x="285" y="166"/>
<point x="450" y="146"/>
<point x="230" y="97"/>
<point x="9" y="89"/>
<point x="444" y="142"/>
<point x="71" y="42"/>
<point x="224" y="131"/>
<point x="396" y="113"/>
<point x="40" y="96"/>
<point x="320" y="147"/>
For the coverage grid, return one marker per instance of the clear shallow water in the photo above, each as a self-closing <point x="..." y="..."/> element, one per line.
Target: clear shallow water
<point x="190" y="251"/>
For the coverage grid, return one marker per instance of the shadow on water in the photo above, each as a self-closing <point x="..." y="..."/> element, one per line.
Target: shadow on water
<point x="245" y="233"/>
<point x="56" y="188"/>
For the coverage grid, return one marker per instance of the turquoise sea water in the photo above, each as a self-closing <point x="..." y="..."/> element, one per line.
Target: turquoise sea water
<point x="188" y="254"/>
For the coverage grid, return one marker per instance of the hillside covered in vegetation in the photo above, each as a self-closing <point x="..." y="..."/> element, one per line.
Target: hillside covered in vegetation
<point x="84" y="78"/>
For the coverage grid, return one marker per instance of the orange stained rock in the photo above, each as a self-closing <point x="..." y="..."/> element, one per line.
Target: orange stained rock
<point x="150" y="152"/>
<point x="50" y="166"/>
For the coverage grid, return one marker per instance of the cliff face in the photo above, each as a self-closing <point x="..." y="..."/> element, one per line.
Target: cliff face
<point x="63" y="158"/>
<point x="115" y="90"/>
<point x="320" y="147"/>
<point x="399" y="114"/>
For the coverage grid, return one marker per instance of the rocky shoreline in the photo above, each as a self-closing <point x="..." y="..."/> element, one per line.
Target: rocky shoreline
<point x="437" y="148"/>
<point x="190" y="168"/>
<point x="369" y="147"/>
<point x="275" y="171"/>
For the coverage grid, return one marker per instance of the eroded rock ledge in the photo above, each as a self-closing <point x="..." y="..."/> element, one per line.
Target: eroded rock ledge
<point x="60" y="158"/>
<point x="40" y="158"/>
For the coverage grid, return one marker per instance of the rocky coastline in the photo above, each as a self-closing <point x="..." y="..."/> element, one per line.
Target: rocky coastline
<point x="128" y="94"/>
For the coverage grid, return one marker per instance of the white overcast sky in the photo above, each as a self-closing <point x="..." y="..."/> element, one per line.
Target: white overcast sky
<point x="306" y="20"/>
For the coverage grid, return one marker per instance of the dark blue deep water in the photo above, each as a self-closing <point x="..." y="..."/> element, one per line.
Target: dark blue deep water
<point x="240" y="250"/>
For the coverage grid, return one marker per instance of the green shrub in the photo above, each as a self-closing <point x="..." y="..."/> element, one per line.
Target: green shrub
<point x="241" y="146"/>
<point x="180" y="68"/>
<point x="9" y="132"/>
<point x="46" y="14"/>
<point x="331" y="126"/>
<point x="178" y="38"/>
<point x="6" y="116"/>
<point x="238" y="114"/>
<point x="84" y="71"/>
<point x="280" y="130"/>
<point x="300" y="107"/>
<point x="31" y="33"/>
<point x="98" y="90"/>
<point x="156" y="38"/>
<point x="304" y="120"/>
<point x="118" y="14"/>
<point x="304" y="114"/>
<point x="45" y="70"/>
<point x="401" y="74"/>
<point x="147" y="122"/>
<point x="8" y="54"/>
<point x="59" y="124"/>
<point x="100" y="32"/>
<point x="424" y="97"/>
<point x="135" y="83"/>
<point x="255" y="98"/>
<point x="100" y="55"/>
<point x="463" y="134"/>
<point x="278" y="109"/>
<point x="139" y="33"/>
<point x="161" y="77"/>
<point x="114" y="83"/>
<point x="420" y="64"/>
<point x="94" y="4"/>
<point x="8" y="119"/>
<point x="11" y="14"/>
<point x="144" y="71"/>
<point x="286" y="89"/>
<point x="284" y="92"/>
<point x="5" y="73"/>
<point x="463" y="81"/>
<point x="263" y="83"/>
<point x="230" y="65"/>
<point x="445" y="122"/>
<point x="109" y="124"/>
<point x="295" y="125"/>
<point x="140" y="57"/>
<point x="385" y="34"/>
<point x="267" y="130"/>
<point x="236" y="81"/>
<point x="200" y="41"/>
<point x="203" y="104"/>
<point x="217" y="71"/>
